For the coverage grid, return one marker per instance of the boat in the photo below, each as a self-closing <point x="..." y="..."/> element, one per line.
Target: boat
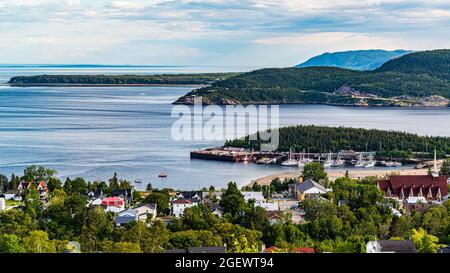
<point x="291" y="161"/>
<point x="360" y="163"/>
<point x="338" y="162"/>
<point x="391" y="163"/>
<point x="162" y="175"/>
<point x="138" y="181"/>
<point x="370" y="163"/>
<point x="328" y="162"/>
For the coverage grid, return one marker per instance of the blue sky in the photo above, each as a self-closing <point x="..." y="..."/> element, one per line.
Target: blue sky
<point x="256" y="33"/>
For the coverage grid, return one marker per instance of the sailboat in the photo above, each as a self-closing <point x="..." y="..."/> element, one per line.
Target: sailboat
<point x="328" y="162"/>
<point x="338" y="162"/>
<point x="291" y="161"/>
<point x="360" y="163"/>
<point x="371" y="163"/>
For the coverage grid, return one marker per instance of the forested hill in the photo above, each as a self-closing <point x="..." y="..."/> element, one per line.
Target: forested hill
<point x="48" y="80"/>
<point x="357" y="59"/>
<point x="436" y="63"/>
<point x="320" y="139"/>
<point x="406" y="81"/>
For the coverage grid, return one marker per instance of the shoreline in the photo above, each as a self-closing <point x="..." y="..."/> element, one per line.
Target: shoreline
<point x="334" y="174"/>
<point x="101" y="85"/>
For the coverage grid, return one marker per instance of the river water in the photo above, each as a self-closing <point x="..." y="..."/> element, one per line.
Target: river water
<point x="95" y="131"/>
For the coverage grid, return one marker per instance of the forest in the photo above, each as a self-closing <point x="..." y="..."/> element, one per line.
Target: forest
<point x="321" y="139"/>
<point x="412" y="76"/>
<point x="188" y="79"/>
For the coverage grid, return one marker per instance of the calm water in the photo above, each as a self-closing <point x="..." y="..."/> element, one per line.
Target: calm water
<point x="94" y="132"/>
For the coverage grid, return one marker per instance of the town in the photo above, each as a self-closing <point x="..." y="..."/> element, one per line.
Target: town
<point x="306" y="214"/>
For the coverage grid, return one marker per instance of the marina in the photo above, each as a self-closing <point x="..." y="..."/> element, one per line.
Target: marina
<point x="292" y="159"/>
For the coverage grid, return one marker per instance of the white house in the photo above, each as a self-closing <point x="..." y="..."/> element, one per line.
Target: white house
<point x="179" y="205"/>
<point x="143" y="211"/>
<point x="309" y="188"/>
<point x="255" y="195"/>
<point x="269" y="206"/>
<point x="2" y="203"/>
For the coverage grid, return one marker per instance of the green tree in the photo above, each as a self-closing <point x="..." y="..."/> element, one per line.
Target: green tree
<point x="120" y="247"/>
<point x="315" y="171"/>
<point x="38" y="242"/>
<point x="232" y="201"/>
<point x="161" y="199"/>
<point x="445" y="168"/>
<point x="424" y="242"/>
<point x="194" y="238"/>
<point x="10" y="244"/>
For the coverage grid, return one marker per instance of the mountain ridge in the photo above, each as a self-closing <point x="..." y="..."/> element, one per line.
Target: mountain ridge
<point x="355" y="59"/>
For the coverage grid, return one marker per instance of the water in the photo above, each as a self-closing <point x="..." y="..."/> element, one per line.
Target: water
<point x="93" y="132"/>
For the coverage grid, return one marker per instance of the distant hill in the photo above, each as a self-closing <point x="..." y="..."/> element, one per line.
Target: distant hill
<point x="356" y="60"/>
<point x="415" y="79"/>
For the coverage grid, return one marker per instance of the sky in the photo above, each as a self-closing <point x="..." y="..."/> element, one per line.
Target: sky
<point x="256" y="33"/>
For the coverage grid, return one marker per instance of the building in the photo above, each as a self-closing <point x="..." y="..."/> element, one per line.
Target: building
<point x="193" y="196"/>
<point x="146" y="211"/>
<point x="42" y="189"/>
<point x="113" y="204"/>
<point x="415" y="188"/>
<point x="125" y="217"/>
<point x="2" y="203"/>
<point x="269" y="206"/>
<point x="274" y="217"/>
<point x="125" y="194"/>
<point x="309" y="189"/>
<point x="255" y="195"/>
<point x="391" y="246"/>
<point x="179" y="205"/>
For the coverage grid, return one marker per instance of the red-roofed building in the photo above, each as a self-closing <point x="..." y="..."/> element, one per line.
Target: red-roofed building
<point x="114" y="204"/>
<point x="42" y="188"/>
<point x="179" y="205"/>
<point x="431" y="187"/>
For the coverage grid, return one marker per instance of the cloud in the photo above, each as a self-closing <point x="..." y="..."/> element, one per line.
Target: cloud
<point x="214" y="31"/>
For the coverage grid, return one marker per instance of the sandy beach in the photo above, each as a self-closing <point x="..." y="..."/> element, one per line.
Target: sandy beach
<point x="333" y="174"/>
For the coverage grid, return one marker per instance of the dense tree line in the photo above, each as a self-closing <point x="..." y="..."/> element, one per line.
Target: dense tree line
<point x="415" y="75"/>
<point x="325" y="139"/>
<point x="331" y="226"/>
<point x="205" y="78"/>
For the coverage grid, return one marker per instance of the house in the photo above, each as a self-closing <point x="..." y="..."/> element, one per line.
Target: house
<point x="179" y="205"/>
<point x="144" y="211"/>
<point x="274" y="217"/>
<point x="391" y="246"/>
<point x="309" y="189"/>
<point x="2" y="203"/>
<point x="125" y="217"/>
<point x="269" y="206"/>
<point x="193" y="196"/>
<point x="444" y="250"/>
<point x="23" y="186"/>
<point x="113" y="204"/>
<point x="217" y="212"/>
<point x="255" y="195"/>
<point x="415" y="187"/>
<point x="12" y="195"/>
<point x="42" y="189"/>
<point x="215" y="249"/>
<point x="125" y="194"/>
<point x="97" y="201"/>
